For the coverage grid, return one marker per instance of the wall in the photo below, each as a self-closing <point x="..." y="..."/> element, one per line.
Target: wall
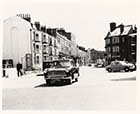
<point x="16" y="39"/>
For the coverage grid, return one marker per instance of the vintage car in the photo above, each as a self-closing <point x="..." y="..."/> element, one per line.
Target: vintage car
<point x="62" y="71"/>
<point x="120" y="65"/>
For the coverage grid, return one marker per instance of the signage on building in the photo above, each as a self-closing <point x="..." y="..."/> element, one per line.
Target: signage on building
<point x="28" y="61"/>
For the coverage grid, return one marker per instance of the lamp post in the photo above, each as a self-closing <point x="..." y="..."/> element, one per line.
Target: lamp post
<point x="31" y="48"/>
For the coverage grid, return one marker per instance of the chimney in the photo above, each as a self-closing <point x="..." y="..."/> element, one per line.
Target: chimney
<point x="25" y="16"/>
<point x="121" y="27"/>
<point x="37" y="24"/>
<point x="43" y="28"/>
<point x="112" y="26"/>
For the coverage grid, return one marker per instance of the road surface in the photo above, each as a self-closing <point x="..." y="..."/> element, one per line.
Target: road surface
<point x="96" y="90"/>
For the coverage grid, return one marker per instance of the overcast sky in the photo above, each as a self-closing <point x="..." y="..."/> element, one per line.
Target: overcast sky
<point x="88" y="20"/>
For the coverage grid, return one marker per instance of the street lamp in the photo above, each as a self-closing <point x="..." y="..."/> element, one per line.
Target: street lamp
<point x="31" y="48"/>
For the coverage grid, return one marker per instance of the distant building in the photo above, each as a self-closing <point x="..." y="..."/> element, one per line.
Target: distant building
<point x="121" y="43"/>
<point x="66" y="43"/>
<point x="83" y="58"/>
<point x="95" y="55"/>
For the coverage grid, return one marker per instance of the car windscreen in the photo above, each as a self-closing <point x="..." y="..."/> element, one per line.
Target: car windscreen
<point x="60" y="64"/>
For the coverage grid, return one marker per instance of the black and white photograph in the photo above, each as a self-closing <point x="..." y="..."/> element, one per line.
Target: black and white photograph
<point x="69" y="55"/>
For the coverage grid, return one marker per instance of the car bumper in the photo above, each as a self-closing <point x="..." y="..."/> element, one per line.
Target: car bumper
<point x="58" y="78"/>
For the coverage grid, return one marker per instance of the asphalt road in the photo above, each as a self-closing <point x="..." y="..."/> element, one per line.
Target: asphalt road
<point x="95" y="90"/>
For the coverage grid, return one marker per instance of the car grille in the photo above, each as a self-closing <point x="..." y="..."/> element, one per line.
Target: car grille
<point x="56" y="73"/>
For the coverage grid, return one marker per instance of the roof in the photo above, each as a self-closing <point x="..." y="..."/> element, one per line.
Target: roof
<point x="117" y="31"/>
<point x="126" y="30"/>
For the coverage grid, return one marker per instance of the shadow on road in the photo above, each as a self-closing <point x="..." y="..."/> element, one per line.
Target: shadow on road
<point x="125" y="79"/>
<point x="52" y="85"/>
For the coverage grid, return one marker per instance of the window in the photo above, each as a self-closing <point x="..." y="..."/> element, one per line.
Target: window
<point x="107" y="41"/>
<point x="45" y="58"/>
<point x="44" y="39"/>
<point x="123" y="40"/>
<point x="133" y="40"/>
<point x="50" y="51"/>
<point x="58" y="39"/>
<point x="133" y="48"/>
<point x="108" y="49"/>
<point x="115" y="40"/>
<point x="37" y="48"/>
<point x="44" y="47"/>
<point x="37" y="59"/>
<point x="34" y="59"/>
<point x="37" y="37"/>
<point x="116" y="49"/>
<point x="50" y="42"/>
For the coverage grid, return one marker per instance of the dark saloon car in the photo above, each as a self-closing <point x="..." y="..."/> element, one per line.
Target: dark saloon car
<point x="61" y="71"/>
<point x="120" y="65"/>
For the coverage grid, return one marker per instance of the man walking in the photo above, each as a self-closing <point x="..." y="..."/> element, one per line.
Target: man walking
<point x="19" y="68"/>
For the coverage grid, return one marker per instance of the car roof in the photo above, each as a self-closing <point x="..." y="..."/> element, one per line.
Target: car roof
<point x="122" y="62"/>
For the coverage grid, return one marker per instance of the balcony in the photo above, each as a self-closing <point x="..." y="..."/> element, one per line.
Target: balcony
<point x="45" y="51"/>
<point x="36" y="40"/>
<point x="44" y="41"/>
<point x="37" y="51"/>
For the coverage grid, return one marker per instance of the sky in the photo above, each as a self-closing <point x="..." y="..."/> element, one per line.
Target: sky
<point x="88" y="20"/>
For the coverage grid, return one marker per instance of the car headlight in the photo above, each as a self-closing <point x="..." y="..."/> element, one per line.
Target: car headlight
<point x="45" y="71"/>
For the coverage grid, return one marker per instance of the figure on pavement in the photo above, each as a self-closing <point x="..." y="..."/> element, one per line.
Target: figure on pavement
<point x="19" y="69"/>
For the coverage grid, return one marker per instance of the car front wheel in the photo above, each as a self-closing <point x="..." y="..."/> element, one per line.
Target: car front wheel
<point x="69" y="81"/>
<point x="109" y="70"/>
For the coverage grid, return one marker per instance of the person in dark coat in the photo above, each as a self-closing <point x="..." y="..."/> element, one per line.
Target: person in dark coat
<point x="19" y="68"/>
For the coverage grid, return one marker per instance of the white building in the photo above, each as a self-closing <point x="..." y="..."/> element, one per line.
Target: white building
<point x="22" y="42"/>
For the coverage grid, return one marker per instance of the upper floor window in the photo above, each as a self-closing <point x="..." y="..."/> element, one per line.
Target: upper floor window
<point x="115" y="40"/>
<point x="133" y="40"/>
<point x="45" y="58"/>
<point x="107" y="41"/>
<point x="37" y="37"/>
<point x="44" y="38"/>
<point x="108" y="50"/>
<point x="44" y="47"/>
<point x="37" y="59"/>
<point x="123" y="39"/>
<point x="116" y="49"/>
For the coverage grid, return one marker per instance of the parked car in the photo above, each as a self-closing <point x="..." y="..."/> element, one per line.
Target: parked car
<point x="120" y="65"/>
<point x="62" y="71"/>
<point x="98" y="65"/>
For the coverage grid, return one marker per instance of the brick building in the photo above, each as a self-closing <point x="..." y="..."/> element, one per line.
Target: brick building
<point x="121" y="43"/>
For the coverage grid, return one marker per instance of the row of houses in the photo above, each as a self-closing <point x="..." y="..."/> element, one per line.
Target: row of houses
<point x="32" y="44"/>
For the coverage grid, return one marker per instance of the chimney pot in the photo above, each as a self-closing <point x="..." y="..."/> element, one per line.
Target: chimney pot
<point x="112" y="26"/>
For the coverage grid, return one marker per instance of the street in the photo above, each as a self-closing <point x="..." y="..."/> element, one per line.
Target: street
<point x="96" y="90"/>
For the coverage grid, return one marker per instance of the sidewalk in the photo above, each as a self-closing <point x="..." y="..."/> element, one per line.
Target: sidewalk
<point x="12" y="73"/>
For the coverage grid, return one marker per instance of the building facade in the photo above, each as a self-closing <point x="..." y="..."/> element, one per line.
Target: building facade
<point x="32" y="44"/>
<point x="83" y="57"/>
<point x="95" y="55"/>
<point x="22" y="42"/>
<point x="121" y="43"/>
<point x="17" y="41"/>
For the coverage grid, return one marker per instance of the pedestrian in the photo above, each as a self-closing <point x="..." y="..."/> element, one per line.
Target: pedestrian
<point x="19" y="69"/>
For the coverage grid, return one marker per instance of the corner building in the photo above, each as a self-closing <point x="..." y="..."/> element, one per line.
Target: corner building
<point x="121" y="43"/>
